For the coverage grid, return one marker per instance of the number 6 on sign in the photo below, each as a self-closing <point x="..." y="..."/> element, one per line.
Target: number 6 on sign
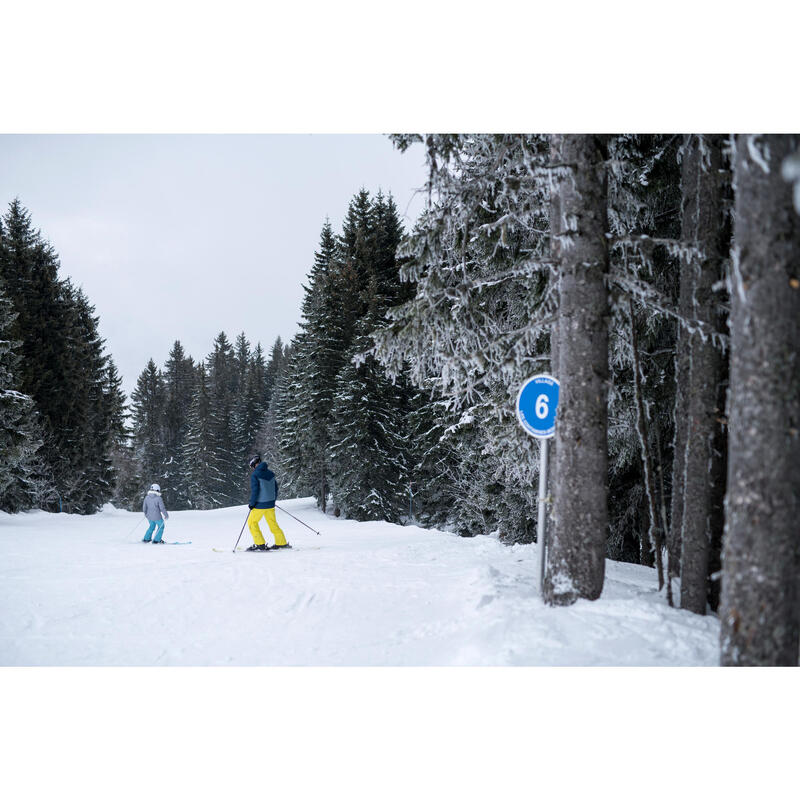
<point x="537" y="402"/>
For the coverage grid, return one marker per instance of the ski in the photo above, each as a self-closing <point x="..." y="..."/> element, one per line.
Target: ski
<point x="244" y="549"/>
<point x="163" y="542"/>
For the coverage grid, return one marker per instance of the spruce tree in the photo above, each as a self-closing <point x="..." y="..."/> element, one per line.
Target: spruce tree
<point x="221" y="376"/>
<point x="149" y="435"/>
<point x="259" y="387"/>
<point x="63" y="367"/>
<point x="199" y="459"/>
<point x="179" y="379"/>
<point x="243" y="427"/>
<point x="368" y="464"/>
<point x="19" y="440"/>
<point x="697" y="474"/>
<point x="578" y="224"/>
<point x="760" y="607"/>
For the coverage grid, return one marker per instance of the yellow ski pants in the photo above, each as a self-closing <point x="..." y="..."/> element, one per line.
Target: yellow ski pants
<point x="256" y="515"/>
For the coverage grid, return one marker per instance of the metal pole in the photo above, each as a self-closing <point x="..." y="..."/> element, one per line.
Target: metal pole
<point x="542" y="523"/>
<point x="242" y="530"/>
<point x="297" y="518"/>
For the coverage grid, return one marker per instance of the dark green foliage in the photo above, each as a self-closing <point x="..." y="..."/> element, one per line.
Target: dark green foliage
<point x="149" y="401"/>
<point x="179" y="377"/>
<point x="195" y="427"/>
<point x="63" y="369"/>
<point x="19" y="440"/>
<point x="339" y="421"/>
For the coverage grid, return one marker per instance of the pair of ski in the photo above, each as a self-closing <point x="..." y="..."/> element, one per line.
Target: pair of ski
<point x="247" y="549"/>
<point x="163" y="542"/>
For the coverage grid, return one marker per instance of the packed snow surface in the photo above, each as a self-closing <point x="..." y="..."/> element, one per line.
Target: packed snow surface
<point x="84" y="590"/>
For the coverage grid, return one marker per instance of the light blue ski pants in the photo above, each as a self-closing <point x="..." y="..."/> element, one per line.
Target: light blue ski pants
<point x="158" y="526"/>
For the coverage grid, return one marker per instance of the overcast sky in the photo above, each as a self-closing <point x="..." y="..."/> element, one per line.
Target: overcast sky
<point x="181" y="237"/>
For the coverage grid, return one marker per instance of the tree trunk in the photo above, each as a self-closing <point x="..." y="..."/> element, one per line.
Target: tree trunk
<point x="760" y="609"/>
<point x="679" y="442"/>
<point x="576" y="557"/>
<point x="654" y="538"/>
<point x="701" y="227"/>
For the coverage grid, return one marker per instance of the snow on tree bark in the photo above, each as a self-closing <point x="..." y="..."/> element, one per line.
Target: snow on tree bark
<point x="576" y="557"/>
<point x="701" y="225"/>
<point x="760" y="608"/>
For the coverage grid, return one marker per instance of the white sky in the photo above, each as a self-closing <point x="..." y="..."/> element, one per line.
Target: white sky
<point x="182" y="236"/>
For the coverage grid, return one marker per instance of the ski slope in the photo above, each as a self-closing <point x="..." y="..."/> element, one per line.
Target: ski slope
<point x="84" y="591"/>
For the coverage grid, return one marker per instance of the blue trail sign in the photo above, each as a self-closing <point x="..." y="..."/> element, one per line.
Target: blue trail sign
<point x="537" y="402"/>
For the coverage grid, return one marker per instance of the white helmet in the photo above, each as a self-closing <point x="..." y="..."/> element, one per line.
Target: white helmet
<point x="155" y="488"/>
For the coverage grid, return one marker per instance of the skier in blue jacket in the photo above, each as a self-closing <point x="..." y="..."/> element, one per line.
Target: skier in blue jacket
<point x="263" y="494"/>
<point x="154" y="509"/>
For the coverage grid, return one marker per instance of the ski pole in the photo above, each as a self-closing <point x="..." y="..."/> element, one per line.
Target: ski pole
<point x="134" y="528"/>
<point x="299" y="520"/>
<point x="242" y="530"/>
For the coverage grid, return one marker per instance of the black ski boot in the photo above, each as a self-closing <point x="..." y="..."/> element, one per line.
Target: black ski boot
<point x="286" y="546"/>
<point x="256" y="547"/>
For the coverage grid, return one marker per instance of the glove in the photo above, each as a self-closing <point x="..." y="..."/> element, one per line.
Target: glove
<point x="251" y="507"/>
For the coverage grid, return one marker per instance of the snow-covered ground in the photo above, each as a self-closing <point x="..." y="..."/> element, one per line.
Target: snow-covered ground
<point x="85" y="591"/>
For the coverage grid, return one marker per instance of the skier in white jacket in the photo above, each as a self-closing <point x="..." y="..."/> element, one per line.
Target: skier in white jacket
<point x="155" y="511"/>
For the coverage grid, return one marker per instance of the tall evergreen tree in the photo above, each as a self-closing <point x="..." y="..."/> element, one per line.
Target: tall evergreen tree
<point x="221" y="375"/>
<point x="760" y="608"/>
<point x="578" y="224"/>
<point x="19" y="441"/>
<point x="264" y="373"/>
<point x="243" y="426"/>
<point x="149" y="436"/>
<point x="201" y="465"/>
<point x="368" y="468"/>
<point x="698" y="479"/>
<point x="63" y="365"/>
<point x="179" y="380"/>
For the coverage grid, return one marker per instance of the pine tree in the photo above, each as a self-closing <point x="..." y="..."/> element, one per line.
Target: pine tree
<point x="475" y="298"/>
<point x="698" y="472"/>
<point x="760" y="607"/>
<point x="368" y="471"/>
<point x="199" y="456"/>
<point x="243" y="426"/>
<point x="179" y="379"/>
<point x="149" y="436"/>
<point x="19" y="441"/>
<point x="221" y="376"/>
<point x="63" y="367"/>
<point x="260" y="385"/>
<point x="576" y="556"/>
<point x="264" y="374"/>
<point x="330" y="306"/>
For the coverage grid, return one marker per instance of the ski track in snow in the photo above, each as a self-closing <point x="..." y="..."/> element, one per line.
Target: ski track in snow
<point x="84" y="591"/>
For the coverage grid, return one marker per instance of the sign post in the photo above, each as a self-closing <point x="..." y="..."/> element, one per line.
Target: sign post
<point x="537" y="402"/>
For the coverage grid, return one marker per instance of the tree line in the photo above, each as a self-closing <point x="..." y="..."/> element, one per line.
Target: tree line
<point x="61" y="403"/>
<point x="194" y="426"/>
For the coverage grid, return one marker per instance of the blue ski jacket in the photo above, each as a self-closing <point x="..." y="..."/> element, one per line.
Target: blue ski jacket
<point x="263" y="487"/>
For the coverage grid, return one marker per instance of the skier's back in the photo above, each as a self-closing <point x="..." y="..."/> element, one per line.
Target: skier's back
<point x="263" y="494"/>
<point x="156" y="512"/>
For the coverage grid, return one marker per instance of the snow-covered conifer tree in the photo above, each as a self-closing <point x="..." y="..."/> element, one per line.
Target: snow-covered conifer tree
<point x="698" y="477"/>
<point x="760" y="607"/>
<point x="578" y="225"/>
<point x="18" y="435"/>
<point x="148" y="423"/>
